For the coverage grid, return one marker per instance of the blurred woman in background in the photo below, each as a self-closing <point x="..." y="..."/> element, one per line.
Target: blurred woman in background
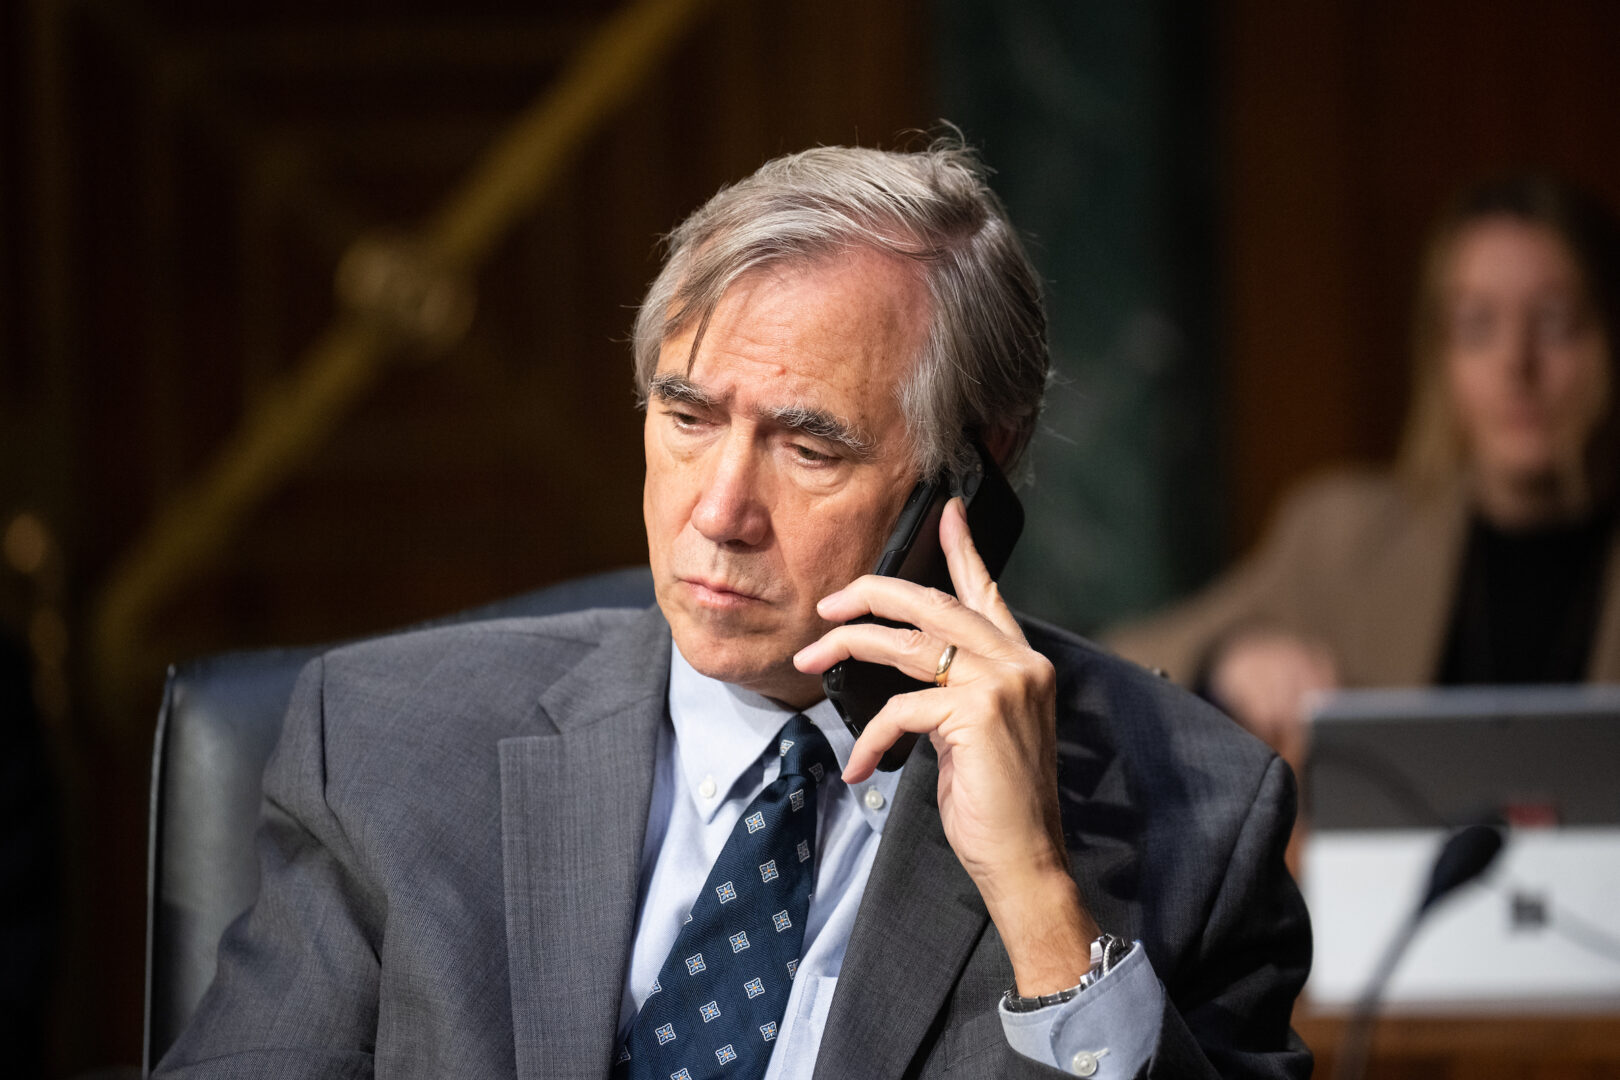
<point x="1491" y="553"/>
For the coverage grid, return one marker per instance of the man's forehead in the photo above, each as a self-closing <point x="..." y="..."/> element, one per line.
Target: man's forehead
<point x="716" y="381"/>
<point x="833" y="323"/>
<point x="759" y="387"/>
<point x="838" y="335"/>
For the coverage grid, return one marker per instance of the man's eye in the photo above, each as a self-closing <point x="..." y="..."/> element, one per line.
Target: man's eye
<point x="810" y="455"/>
<point x="682" y="418"/>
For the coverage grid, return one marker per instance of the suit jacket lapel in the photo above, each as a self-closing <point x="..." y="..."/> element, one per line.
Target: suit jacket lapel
<point x="918" y="922"/>
<point x="573" y="815"/>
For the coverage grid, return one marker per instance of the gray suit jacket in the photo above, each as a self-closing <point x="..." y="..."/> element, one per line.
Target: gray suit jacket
<point x="453" y="823"/>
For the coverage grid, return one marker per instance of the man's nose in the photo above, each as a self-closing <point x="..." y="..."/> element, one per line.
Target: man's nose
<point x="731" y="510"/>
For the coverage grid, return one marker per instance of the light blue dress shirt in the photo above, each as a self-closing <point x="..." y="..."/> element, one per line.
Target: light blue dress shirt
<point x="711" y="763"/>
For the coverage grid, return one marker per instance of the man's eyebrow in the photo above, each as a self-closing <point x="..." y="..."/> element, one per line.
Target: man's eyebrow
<point x="824" y="425"/>
<point x="672" y="387"/>
<point x="817" y="423"/>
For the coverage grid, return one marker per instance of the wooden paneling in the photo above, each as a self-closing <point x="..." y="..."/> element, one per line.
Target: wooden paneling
<point x="1346" y="124"/>
<point x="223" y="162"/>
<point x="178" y="181"/>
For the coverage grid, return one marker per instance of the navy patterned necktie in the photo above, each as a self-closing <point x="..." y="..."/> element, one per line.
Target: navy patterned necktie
<point x="719" y="998"/>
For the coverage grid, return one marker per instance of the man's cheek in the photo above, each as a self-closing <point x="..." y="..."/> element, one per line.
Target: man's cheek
<point x="846" y="553"/>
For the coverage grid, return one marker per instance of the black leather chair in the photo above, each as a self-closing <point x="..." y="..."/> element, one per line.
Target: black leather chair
<point x="220" y="719"/>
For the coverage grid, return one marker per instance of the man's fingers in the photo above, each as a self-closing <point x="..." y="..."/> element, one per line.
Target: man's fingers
<point x="915" y="653"/>
<point x="937" y="614"/>
<point x="974" y="585"/>
<point x="918" y="712"/>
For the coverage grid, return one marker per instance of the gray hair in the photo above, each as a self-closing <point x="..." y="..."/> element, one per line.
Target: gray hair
<point x="984" y="366"/>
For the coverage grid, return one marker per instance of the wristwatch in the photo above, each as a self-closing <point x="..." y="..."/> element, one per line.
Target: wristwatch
<point x="1106" y="953"/>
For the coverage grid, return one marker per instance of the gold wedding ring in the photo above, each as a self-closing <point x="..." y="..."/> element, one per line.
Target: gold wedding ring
<point x="943" y="671"/>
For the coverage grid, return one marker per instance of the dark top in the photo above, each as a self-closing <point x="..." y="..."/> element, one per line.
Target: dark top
<point x="1527" y="604"/>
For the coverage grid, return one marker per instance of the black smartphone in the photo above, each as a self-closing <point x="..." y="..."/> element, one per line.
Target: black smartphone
<point x="858" y="688"/>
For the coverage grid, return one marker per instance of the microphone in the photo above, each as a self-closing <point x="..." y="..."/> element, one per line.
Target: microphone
<point x="1466" y="855"/>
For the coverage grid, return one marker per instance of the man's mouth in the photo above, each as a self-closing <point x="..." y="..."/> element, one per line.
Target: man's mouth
<point x="720" y="594"/>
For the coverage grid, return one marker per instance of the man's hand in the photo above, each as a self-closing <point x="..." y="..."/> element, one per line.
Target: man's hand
<point x="993" y="727"/>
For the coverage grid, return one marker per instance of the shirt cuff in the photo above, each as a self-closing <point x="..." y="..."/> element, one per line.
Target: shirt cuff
<point x="1107" y="1032"/>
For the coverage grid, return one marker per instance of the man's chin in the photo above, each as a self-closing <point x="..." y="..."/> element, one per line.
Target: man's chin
<point x="752" y="662"/>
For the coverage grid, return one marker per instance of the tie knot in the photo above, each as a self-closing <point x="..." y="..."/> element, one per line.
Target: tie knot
<point x="805" y="750"/>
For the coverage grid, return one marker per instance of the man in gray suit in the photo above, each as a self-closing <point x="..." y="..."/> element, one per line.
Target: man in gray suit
<point x="483" y="844"/>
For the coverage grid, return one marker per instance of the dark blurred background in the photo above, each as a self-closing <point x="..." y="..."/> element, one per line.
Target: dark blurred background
<point x="313" y="316"/>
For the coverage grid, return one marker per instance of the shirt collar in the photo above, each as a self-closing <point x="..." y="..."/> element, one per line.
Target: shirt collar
<point x="721" y="730"/>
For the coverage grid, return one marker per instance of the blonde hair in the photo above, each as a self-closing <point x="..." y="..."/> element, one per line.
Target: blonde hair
<point x="1432" y="453"/>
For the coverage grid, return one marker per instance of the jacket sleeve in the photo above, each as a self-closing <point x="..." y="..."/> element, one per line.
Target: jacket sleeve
<point x="296" y="988"/>
<point x="1227" y="1011"/>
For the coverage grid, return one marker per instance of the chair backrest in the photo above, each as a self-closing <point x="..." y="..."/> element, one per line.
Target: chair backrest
<point x="220" y="719"/>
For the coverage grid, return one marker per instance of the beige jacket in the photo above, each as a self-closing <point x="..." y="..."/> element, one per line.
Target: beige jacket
<point x="1354" y="561"/>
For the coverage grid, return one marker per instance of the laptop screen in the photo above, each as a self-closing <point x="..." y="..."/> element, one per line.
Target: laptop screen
<point x="1390" y="772"/>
